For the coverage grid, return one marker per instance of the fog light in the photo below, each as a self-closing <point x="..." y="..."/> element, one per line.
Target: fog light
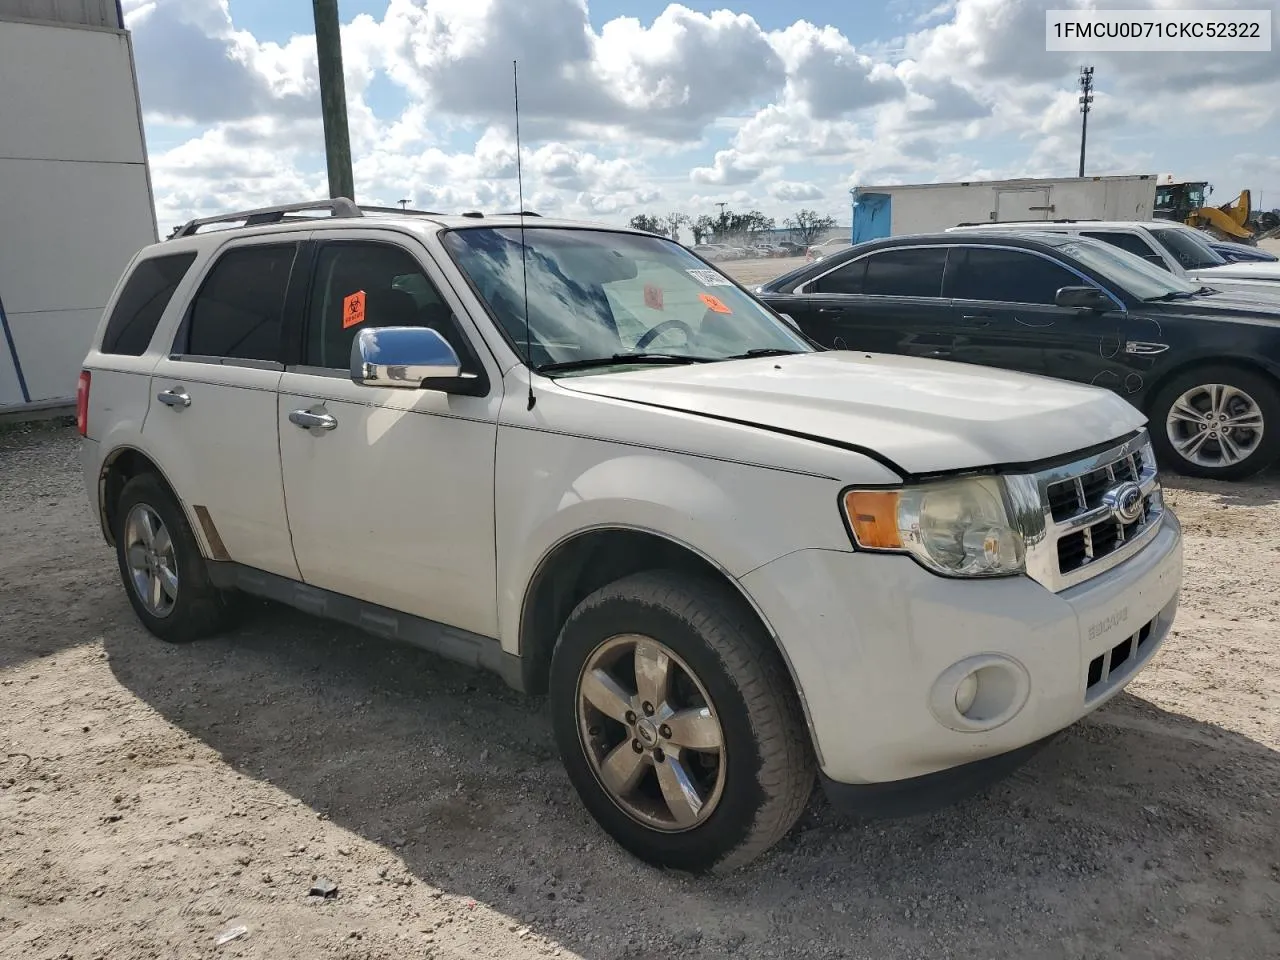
<point x="966" y="693"/>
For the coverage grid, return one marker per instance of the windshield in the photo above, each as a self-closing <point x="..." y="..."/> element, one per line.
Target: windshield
<point x="1126" y="270"/>
<point x="1187" y="246"/>
<point x="597" y="295"/>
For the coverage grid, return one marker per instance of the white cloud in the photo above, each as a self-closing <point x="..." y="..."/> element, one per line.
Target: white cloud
<point x="685" y="110"/>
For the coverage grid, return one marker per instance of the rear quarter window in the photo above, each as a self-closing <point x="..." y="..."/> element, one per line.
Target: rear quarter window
<point x="142" y="302"/>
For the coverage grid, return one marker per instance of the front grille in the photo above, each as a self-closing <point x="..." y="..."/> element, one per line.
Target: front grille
<point x="1115" y="664"/>
<point x="1084" y="532"/>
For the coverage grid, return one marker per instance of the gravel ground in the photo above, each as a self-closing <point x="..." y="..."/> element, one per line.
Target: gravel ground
<point x="153" y="797"/>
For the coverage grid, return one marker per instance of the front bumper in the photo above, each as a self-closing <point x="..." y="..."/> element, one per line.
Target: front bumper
<point x="872" y="638"/>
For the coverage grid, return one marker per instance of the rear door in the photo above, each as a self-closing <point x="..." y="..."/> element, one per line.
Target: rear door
<point x="1005" y="316"/>
<point x="885" y="301"/>
<point x="212" y="420"/>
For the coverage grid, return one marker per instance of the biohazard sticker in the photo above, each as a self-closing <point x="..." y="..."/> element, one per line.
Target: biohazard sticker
<point x="353" y="309"/>
<point x="709" y="278"/>
<point x="714" y="304"/>
<point x="652" y="297"/>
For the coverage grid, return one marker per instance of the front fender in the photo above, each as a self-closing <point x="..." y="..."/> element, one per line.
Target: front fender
<point x="736" y="517"/>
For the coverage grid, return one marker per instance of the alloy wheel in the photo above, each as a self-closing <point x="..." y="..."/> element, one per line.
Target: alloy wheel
<point x="650" y="733"/>
<point x="153" y="566"/>
<point x="1215" y="425"/>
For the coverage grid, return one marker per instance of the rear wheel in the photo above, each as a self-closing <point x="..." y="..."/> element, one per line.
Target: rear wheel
<point x="164" y="573"/>
<point x="677" y="722"/>
<point x="1217" y="422"/>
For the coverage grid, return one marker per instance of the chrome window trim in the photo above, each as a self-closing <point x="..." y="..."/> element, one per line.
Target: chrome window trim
<point x="1087" y="281"/>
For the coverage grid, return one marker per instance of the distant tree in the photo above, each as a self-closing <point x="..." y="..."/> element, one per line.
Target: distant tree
<point x="673" y="223"/>
<point x="643" y="221"/>
<point x="702" y="228"/>
<point x="808" y="226"/>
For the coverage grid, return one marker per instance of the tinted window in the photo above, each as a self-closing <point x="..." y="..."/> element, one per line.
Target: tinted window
<point x="1131" y="242"/>
<point x="145" y="295"/>
<point x="848" y="279"/>
<point x="360" y="285"/>
<point x="1188" y="249"/>
<point x="1007" y="275"/>
<point x="905" y="273"/>
<point x="239" y="308"/>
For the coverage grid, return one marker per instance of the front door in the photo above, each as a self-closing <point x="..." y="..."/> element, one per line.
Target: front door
<point x="1006" y="317"/>
<point x="212" y="418"/>
<point x="391" y="500"/>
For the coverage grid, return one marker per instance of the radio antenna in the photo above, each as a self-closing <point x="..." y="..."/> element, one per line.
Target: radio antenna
<point x="524" y="250"/>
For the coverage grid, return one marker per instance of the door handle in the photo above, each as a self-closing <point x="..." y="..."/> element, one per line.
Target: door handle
<point x="174" y="397"/>
<point x="308" y="420"/>
<point x="831" y="310"/>
<point x="978" y="319"/>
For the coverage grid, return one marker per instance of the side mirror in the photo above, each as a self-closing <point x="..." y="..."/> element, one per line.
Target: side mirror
<point x="1086" y="298"/>
<point x="402" y="357"/>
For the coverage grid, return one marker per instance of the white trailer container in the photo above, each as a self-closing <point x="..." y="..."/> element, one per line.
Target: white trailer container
<point x="75" y="193"/>
<point x="927" y="207"/>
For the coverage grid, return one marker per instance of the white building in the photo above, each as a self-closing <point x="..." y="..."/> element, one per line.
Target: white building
<point x="75" y="191"/>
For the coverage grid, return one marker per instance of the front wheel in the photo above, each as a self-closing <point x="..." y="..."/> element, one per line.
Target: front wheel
<point x="677" y="722"/>
<point x="1217" y="422"/>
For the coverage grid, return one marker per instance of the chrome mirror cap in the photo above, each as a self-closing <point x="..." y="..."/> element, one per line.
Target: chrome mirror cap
<point x="402" y="357"/>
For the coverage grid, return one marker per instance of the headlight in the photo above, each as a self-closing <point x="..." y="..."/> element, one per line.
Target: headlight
<point x="958" y="528"/>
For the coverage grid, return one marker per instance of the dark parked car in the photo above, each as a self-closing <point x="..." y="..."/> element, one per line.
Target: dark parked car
<point x="1241" y="252"/>
<point x="1203" y="364"/>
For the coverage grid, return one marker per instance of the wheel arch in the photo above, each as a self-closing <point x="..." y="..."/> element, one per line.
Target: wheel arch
<point x="119" y="467"/>
<point x="586" y="560"/>
<point x="1253" y="365"/>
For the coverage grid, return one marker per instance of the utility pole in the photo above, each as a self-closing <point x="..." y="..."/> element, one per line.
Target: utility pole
<point x="333" y="99"/>
<point x="1086" y="98"/>
<point x="404" y="204"/>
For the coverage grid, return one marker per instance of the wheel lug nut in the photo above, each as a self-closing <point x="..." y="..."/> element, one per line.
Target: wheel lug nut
<point x="593" y="731"/>
<point x="631" y="717"/>
<point x="648" y="709"/>
<point x="637" y="746"/>
<point x="659" y="755"/>
<point x="665" y="731"/>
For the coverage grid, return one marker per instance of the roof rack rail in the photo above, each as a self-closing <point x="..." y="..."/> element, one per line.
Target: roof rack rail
<point x="997" y="223"/>
<point x="520" y="213"/>
<point x="338" y="207"/>
<point x="407" y="212"/>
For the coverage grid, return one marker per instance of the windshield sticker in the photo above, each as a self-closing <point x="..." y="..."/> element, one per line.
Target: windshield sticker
<point x="353" y="309"/>
<point x="709" y="278"/>
<point x="652" y="297"/>
<point x="714" y="304"/>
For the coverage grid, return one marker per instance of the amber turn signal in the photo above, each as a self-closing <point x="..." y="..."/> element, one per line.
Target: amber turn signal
<point x="873" y="517"/>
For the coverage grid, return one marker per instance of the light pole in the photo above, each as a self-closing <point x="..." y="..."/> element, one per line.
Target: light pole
<point x="1086" y="98"/>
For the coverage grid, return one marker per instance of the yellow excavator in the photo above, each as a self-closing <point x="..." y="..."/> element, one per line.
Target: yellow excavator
<point x="1185" y="202"/>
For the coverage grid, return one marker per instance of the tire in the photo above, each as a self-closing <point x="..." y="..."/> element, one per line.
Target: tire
<point x="722" y="660"/>
<point x="197" y="608"/>
<point x="1237" y="390"/>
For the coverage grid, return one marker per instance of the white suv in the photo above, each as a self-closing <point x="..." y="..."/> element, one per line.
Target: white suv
<point x="583" y="458"/>
<point x="1176" y="247"/>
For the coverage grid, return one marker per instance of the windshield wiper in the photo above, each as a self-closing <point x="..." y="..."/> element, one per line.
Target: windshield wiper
<point x="1172" y="295"/>
<point x="763" y="352"/>
<point x="588" y="362"/>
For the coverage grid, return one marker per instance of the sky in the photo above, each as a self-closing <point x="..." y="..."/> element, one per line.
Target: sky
<point x="640" y="106"/>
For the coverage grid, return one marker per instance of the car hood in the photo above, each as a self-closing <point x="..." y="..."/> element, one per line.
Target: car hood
<point x="1257" y="302"/>
<point x="1251" y="270"/>
<point x="923" y="416"/>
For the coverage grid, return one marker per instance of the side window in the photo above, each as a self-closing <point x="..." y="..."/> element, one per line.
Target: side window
<point x="910" y="272"/>
<point x="847" y="279"/>
<point x="1130" y="242"/>
<point x="145" y="295"/>
<point x="1008" y="275"/>
<point x="238" y="311"/>
<point x="358" y="285"/>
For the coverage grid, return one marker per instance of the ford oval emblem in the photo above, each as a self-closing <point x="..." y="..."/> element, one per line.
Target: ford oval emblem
<point x="1125" y="502"/>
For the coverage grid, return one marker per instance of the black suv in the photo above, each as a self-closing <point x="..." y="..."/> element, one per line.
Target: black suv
<point x="1202" y="364"/>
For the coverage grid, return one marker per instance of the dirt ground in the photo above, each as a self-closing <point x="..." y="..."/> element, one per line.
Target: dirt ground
<point x="153" y="798"/>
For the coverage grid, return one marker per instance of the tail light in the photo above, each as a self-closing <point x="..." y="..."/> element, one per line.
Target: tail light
<point x="82" y="403"/>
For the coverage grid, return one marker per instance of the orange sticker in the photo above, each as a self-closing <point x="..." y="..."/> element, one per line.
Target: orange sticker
<point x="353" y="309"/>
<point x="652" y="296"/>
<point x="714" y="304"/>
